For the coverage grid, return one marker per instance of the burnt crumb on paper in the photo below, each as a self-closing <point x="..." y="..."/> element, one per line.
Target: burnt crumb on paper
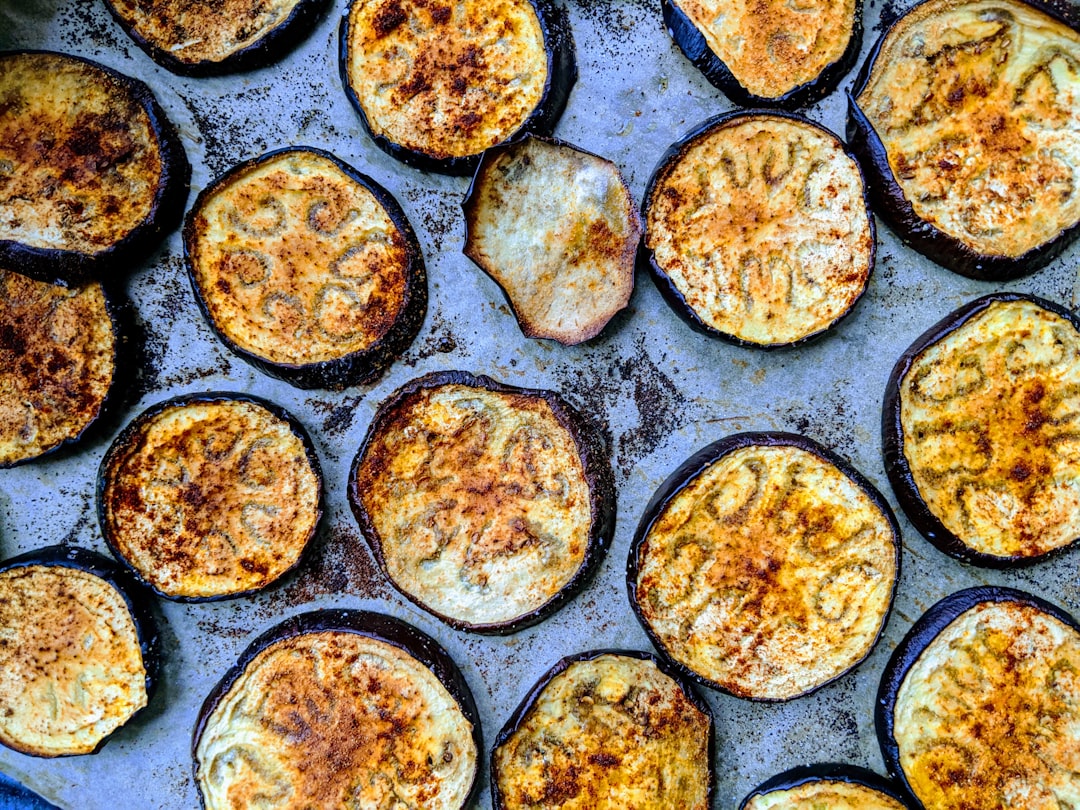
<point x="438" y="216"/>
<point x="228" y="135"/>
<point x="338" y="562"/>
<point x="337" y="416"/>
<point x="90" y="24"/>
<point x="439" y="340"/>
<point x="826" y="419"/>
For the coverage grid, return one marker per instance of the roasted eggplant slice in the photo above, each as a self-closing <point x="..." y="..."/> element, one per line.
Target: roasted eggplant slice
<point x="829" y="786"/>
<point x="436" y="84"/>
<point x="487" y="505"/>
<point x="765" y="566"/>
<point x="771" y="53"/>
<point x="979" y="431"/>
<point x="978" y="705"/>
<point x="556" y="228"/>
<point x="208" y="496"/>
<point x="967" y="119"/>
<point x="339" y="708"/>
<point x="197" y="38"/>
<point x="306" y="268"/>
<point x="758" y="230"/>
<point x="58" y="353"/>
<point x="92" y="174"/>
<point x="606" y="730"/>
<point x="78" y="651"/>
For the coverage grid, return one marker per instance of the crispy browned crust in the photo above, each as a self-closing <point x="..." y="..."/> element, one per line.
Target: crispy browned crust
<point x="204" y="541"/>
<point x="234" y="35"/>
<point x="130" y="137"/>
<point x="578" y="771"/>
<point x="563" y="284"/>
<point x="598" y="477"/>
<point x="392" y="319"/>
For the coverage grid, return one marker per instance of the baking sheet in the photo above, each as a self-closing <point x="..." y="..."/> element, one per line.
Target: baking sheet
<point x="659" y="390"/>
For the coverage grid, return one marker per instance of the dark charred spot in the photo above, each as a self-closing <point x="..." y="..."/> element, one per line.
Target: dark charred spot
<point x="388" y="18"/>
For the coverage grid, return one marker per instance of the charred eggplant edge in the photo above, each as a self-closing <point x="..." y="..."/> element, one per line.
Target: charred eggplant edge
<point x="828" y="772"/>
<point x="892" y="206"/>
<point x="71" y="268"/>
<point x="529" y="701"/>
<point x="269" y="48"/>
<point x="131" y="433"/>
<point x="137" y="599"/>
<point x="377" y="626"/>
<point x="686" y="473"/>
<point x="694" y="47"/>
<point x="360" y="367"/>
<point x="897" y="467"/>
<point x="562" y="76"/>
<point x="598" y="476"/>
<point x="671" y="294"/>
<point x="471" y="201"/>
<point x="927" y="628"/>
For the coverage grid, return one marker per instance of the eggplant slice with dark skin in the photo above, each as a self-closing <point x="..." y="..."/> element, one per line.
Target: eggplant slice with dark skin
<point x="306" y="268"/>
<point x="557" y="229"/>
<point x="977" y="706"/>
<point x="210" y="496"/>
<point x="969" y="141"/>
<point x="978" y="431"/>
<point x="769" y="537"/>
<point x="340" y="706"/>
<point x="436" y="85"/>
<point x="87" y="189"/>
<point x="196" y="38"/>
<point x="485" y="504"/>
<point x="772" y="54"/>
<point x="53" y="601"/>
<point x="597" y="730"/>
<point x="830" y="785"/>
<point x="758" y="229"/>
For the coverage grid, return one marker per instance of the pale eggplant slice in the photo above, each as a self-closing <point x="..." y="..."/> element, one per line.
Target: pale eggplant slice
<point x="92" y="174"/>
<point x="436" y="84"/>
<point x="606" y="730"/>
<point x="58" y="364"/>
<point x="832" y="786"/>
<point x="772" y="53"/>
<point x="79" y="654"/>
<point x="966" y="117"/>
<point x="210" y="496"/>
<point x="556" y="228"/>
<point x="765" y="566"/>
<point x="979" y="431"/>
<point x="339" y="708"/>
<point x="977" y="706"/>
<point x="197" y="38"/>
<point x="485" y="504"/>
<point x="758" y="229"/>
<point x="306" y="268"/>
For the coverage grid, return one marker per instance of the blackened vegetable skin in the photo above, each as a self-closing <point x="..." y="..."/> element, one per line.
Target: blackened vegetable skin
<point x="828" y="772"/>
<point x="892" y="437"/>
<point x="562" y="76"/>
<point x="598" y="477"/>
<point x="72" y="268"/>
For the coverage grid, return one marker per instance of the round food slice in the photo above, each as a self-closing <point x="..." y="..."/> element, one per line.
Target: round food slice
<point x="556" y="228"/>
<point x="979" y="431"/>
<point x="978" y="705"/>
<point x="764" y="53"/>
<point x="306" y="268"/>
<point x="92" y="174"/>
<point x="606" y="730"/>
<point x="438" y="83"/>
<point x="487" y="505"/>
<point x="208" y="496"/>
<point x="758" y="229"/>
<point x="58" y="353"/>
<point x="829" y="786"/>
<point x="78" y="651"/>
<point x="197" y="38"/>
<point x="765" y="566"/>
<point x="339" y="708"/>
<point x="967" y="119"/>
